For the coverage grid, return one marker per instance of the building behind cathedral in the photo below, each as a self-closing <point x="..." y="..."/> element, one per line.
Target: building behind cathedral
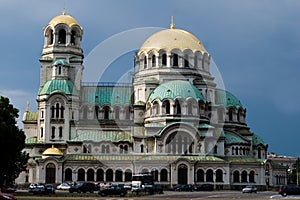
<point x="171" y="121"/>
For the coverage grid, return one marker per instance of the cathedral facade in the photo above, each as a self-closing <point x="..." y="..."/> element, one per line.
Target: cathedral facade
<point x="172" y="120"/>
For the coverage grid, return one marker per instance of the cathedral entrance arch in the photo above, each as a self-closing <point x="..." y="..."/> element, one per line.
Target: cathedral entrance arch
<point x="182" y="174"/>
<point x="50" y="173"/>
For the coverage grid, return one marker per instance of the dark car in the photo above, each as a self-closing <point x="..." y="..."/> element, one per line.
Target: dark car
<point x="158" y="189"/>
<point x="44" y="189"/>
<point x="82" y="187"/>
<point x="204" y="187"/>
<point x="186" y="187"/>
<point x="113" y="190"/>
<point x="289" y="190"/>
<point x="5" y="196"/>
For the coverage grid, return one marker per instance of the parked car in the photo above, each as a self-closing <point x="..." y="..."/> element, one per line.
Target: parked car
<point x="82" y="187"/>
<point x="289" y="190"/>
<point x="44" y="189"/>
<point x="63" y="186"/>
<point x="113" y="190"/>
<point x="5" y="196"/>
<point x="186" y="187"/>
<point x="249" y="189"/>
<point x="204" y="187"/>
<point x="32" y="186"/>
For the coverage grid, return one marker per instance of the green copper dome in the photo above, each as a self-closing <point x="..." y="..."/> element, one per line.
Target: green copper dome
<point x="175" y="90"/>
<point x="61" y="86"/>
<point x="227" y="99"/>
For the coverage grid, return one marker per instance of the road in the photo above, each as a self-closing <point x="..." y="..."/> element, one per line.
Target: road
<point x="62" y="195"/>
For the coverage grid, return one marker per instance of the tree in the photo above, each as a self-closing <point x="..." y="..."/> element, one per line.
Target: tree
<point x="12" y="142"/>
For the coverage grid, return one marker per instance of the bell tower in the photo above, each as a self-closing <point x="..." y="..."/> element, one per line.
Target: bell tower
<point x="60" y="79"/>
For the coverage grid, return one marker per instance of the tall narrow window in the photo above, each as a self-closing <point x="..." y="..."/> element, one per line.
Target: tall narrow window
<point x="178" y="108"/>
<point x="164" y="59"/>
<point x="142" y="148"/>
<point x="106" y="112"/>
<point x="42" y="132"/>
<point x="175" y="60"/>
<point x="51" y="37"/>
<point x="52" y="111"/>
<point x="167" y="107"/>
<point x="259" y="152"/>
<point x="53" y="132"/>
<point x="59" y="70"/>
<point x="60" y="132"/>
<point x="230" y="115"/>
<point x="145" y="62"/>
<point x="85" y="112"/>
<point x="57" y="110"/>
<point x="62" y="36"/>
<point x="62" y="112"/>
<point x="190" y="108"/>
<point x="153" y="60"/>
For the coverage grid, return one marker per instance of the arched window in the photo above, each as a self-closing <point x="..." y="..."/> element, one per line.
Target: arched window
<point x="90" y="175"/>
<point x="244" y="177"/>
<point x="153" y="60"/>
<point x="60" y="132"/>
<point x="178" y="107"/>
<point x="50" y="37"/>
<point x="236" y="176"/>
<point x="167" y="107"/>
<point x="175" y="60"/>
<point x="68" y="175"/>
<point x="219" y="175"/>
<point x="128" y="175"/>
<point x="209" y="175"/>
<point x="200" y="175"/>
<point x="145" y="62"/>
<point x="73" y="38"/>
<point x="52" y="111"/>
<point x="117" y="113"/>
<point x="62" y="36"/>
<point x="252" y="177"/>
<point x="100" y="175"/>
<point x="155" y="108"/>
<point x="81" y="175"/>
<point x="119" y="175"/>
<point x="106" y="112"/>
<point x="109" y="175"/>
<point x="164" y="59"/>
<point x="259" y="152"/>
<point x="164" y="175"/>
<point x="236" y="151"/>
<point x="57" y="110"/>
<point x="155" y="174"/>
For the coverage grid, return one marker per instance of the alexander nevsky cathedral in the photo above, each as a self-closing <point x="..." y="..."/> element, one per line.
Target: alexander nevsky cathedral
<point x="171" y="120"/>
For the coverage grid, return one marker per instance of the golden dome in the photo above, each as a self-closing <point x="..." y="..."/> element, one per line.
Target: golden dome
<point x="52" y="152"/>
<point x="172" y="39"/>
<point x="63" y="19"/>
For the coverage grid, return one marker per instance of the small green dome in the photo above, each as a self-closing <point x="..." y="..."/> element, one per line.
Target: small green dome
<point x="174" y="90"/>
<point x="61" y="62"/>
<point x="227" y="99"/>
<point x="62" y="86"/>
